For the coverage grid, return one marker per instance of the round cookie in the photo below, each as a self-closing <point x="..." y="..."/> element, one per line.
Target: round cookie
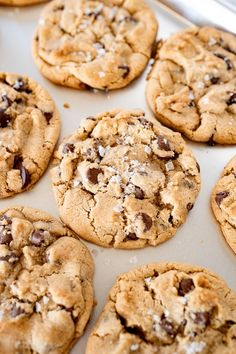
<point x="46" y="283"/>
<point x="122" y="181"/>
<point x="167" y="308"/>
<point x="192" y="85"/>
<point x="20" y="2"/>
<point x="29" y="129"/>
<point x="100" y="44"/>
<point x="223" y="201"/>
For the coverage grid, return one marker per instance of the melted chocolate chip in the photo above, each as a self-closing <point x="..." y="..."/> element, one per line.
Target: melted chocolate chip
<point x="131" y="236"/>
<point x="189" y="206"/>
<point x="48" y="116"/>
<point x="138" y="192"/>
<point x="185" y="286"/>
<point x="10" y="258"/>
<point x="5" y="118"/>
<point x="21" y="86"/>
<point x="163" y="143"/>
<point x="232" y="99"/>
<point x="126" y="70"/>
<point x="202" y="318"/>
<point x="25" y="176"/>
<point x="37" y="238"/>
<point x="68" y="148"/>
<point x="167" y="326"/>
<point x="92" y="174"/>
<point x="147" y="220"/>
<point x="16" y="311"/>
<point x="227" y="61"/>
<point x="220" y="196"/>
<point x="214" y="80"/>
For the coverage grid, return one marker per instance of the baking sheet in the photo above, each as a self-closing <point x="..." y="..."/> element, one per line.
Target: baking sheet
<point x="198" y="241"/>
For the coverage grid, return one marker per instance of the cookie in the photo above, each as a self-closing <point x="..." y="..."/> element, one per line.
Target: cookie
<point x="223" y="201"/>
<point x="122" y="181"/>
<point x="192" y="85"/>
<point x="167" y="308"/>
<point x="29" y="129"/>
<point x="46" y="283"/>
<point x="100" y="44"/>
<point x="20" y="2"/>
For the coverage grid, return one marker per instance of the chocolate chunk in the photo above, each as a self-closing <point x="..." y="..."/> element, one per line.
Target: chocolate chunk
<point x="189" y="206"/>
<point x="25" y="176"/>
<point x="5" y="237"/>
<point x="227" y="61"/>
<point x="7" y="101"/>
<point x="214" y="80"/>
<point x="68" y="148"/>
<point x="16" y="311"/>
<point x="5" y="230"/>
<point x="202" y="318"/>
<point x="163" y="143"/>
<point x="48" y="116"/>
<point x="126" y="70"/>
<point x="10" y="258"/>
<point x="192" y="104"/>
<point x="167" y="326"/>
<point x="232" y="99"/>
<point x="185" y="286"/>
<point x="147" y="220"/>
<point x="139" y="194"/>
<point x="5" y="118"/>
<point x="220" y="196"/>
<point x="21" y="86"/>
<point x="37" y="237"/>
<point x="146" y="123"/>
<point x="211" y="141"/>
<point x="92" y="174"/>
<point x="131" y="236"/>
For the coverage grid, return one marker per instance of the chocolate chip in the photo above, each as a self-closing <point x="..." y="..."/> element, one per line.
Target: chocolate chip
<point x="202" y="318"/>
<point x="68" y="148"/>
<point x="189" y="206"/>
<point x="5" y="237"/>
<point x="37" y="238"/>
<point x="192" y="104"/>
<point x="138" y="192"/>
<point x="185" y="286"/>
<point x="214" y="80"/>
<point x="10" y="258"/>
<point x="220" y="196"/>
<point x="126" y="70"/>
<point x="48" y="116"/>
<point x="147" y="220"/>
<point x="16" y="311"/>
<point x="21" y="86"/>
<point x="146" y="123"/>
<point x="5" y="118"/>
<point x="167" y="326"/>
<point x="131" y="236"/>
<point x="25" y="176"/>
<point x="5" y="230"/>
<point x="211" y="141"/>
<point x="232" y="99"/>
<point x="92" y="174"/>
<point x="7" y="101"/>
<point x="227" y="61"/>
<point x="198" y="167"/>
<point x="163" y="143"/>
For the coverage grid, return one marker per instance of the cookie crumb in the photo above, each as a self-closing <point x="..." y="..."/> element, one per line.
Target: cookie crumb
<point x="133" y="260"/>
<point x="66" y="105"/>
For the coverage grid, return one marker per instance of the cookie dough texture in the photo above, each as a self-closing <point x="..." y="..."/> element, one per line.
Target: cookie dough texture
<point x="100" y="44"/>
<point x="122" y="181"/>
<point x="223" y="203"/>
<point x="46" y="283"/>
<point x="29" y="129"/>
<point x="20" y="2"/>
<point x="192" y="85"/>
<point x="166" y="309"/>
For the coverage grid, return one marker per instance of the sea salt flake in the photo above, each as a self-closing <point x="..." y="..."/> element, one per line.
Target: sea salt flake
<point x="152" y="61"/>
<point x="200" y="85"/>
<point x="183" y="300"/>
<point x="41" y="22"/>
<point x="37" y="307"/>
<point x="101" y="74"/>
<point x="207" y="77"/>
<point x="45" y="300"/>
<point x="150" y="312"/>
<point x="118" y="208"/>
<point x="148" y="280"/>
<point x="115" y="179"/>
<point x="166" y="312"/>
<point x="111" y="169"/>
<point x="88" y="57"/>
<point x="194" y="347"/>
<point x="1" y="315"/>
<point x="169" y="166"/>
<point x="147" y="149"/>
<point x="134" y="347"/>
<point x="101" y="151"/>
<point x="191" y="95"/>
<point x="76" y="183"/>
<point x="156" y="318"/>
<point x="205" y="100"/>
<point x="212" y="41"/>
<point x="113" y="12"/>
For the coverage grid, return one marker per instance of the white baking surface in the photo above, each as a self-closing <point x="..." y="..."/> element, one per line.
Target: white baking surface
<point x="199" y="241"/>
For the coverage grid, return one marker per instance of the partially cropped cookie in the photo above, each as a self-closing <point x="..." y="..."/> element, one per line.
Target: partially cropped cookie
<point x="100" y="44"/>
<point x="46" y="288"/>
<point x="122" y="181"/>
<point x="167" y="308"/>
<point x="29" y="129"/>
<point x="192" y="85"/>
<point x="20" y="2"/>
<point x="223" y="203"/>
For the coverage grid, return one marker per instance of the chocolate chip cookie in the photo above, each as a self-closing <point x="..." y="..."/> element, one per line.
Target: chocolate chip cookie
<point x="20" y="2"/>
<point x="223" y="203"/>
<point x="123" y="181"/>
<point x="29" y="129"/>
<point x="192" y="85"/>
<point x="100" y="44"/>
<point x="46" y="283"/>
<point x="167" y="308"/>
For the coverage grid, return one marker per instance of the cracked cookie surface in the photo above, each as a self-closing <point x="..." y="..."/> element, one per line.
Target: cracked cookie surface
<point x="20" y="2"/>
<point x="192" y="85"/>
<point x="223" y="203"/>
<point x="122" y="181"/>
<point x="100" y="44"/>
<point x="167" y="308"/>
<point x="46" y="283"/>
<point x="29" y="129"/>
